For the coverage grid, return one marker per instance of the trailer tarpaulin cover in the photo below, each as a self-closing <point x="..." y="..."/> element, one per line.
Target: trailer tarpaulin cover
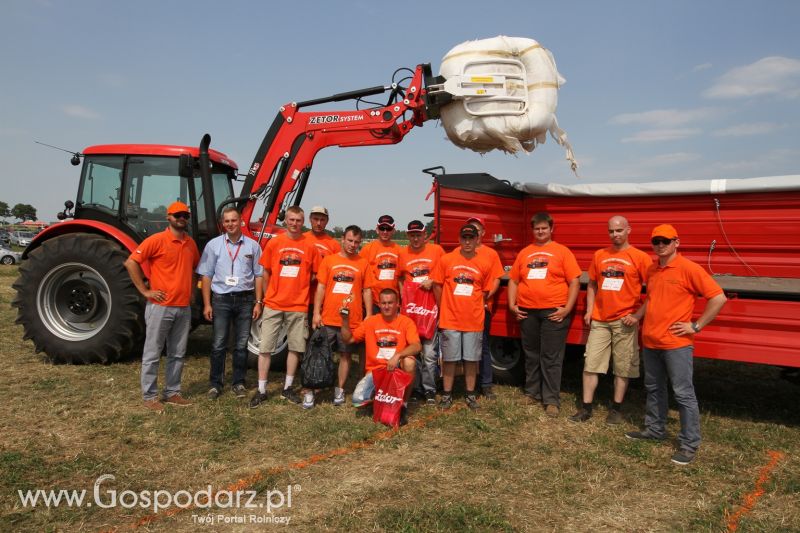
<point x="664" y="188"/>
<point x="520" y="118"/>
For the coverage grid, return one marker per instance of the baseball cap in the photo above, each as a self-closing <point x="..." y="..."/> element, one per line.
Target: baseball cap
<point x="386" y="219"/>
<point x="479" y="220"/>
<point x="468" y="230"/>
<point x="319" y="210"/>
<point x="664" y="230"/>
<point x="416" y="226"/>
<point x="178" y="207"/>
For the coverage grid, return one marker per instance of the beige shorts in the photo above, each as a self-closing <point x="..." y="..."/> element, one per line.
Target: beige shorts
<point x="275" y="324"/>
<point x="614" y="337"/>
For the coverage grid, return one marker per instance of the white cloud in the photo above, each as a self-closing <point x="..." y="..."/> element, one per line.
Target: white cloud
<point x="701" y="67"/>
<point x="667" y="118"/>
<point x="773" y="163"/>
<point x="79" y="111"/>
<point x="659" y="135"/>
<point x="745" y="130"/>
<point x="774" y="75"/>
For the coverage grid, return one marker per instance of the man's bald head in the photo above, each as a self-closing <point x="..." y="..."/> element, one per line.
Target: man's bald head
<point x="618" y="231"/>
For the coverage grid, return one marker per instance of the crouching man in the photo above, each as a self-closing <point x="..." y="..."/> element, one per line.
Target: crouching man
<point x="391" y="341"/>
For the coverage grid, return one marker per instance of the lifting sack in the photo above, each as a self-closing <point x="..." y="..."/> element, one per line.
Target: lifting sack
<point x="506" y="92"/>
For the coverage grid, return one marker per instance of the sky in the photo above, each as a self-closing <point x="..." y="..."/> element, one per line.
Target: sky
<point x="654" y="90"/>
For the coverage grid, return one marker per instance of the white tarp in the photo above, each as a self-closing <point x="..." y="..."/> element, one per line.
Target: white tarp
<point x="483" y="123"/>
<point x="665" y="188"/>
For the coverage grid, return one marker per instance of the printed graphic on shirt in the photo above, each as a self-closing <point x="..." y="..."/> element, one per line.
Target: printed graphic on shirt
<point x="386" y="265"/>
<point x="419" y="269"/>
<point x="386" y="340"/>
<point x="613" y="274"/>
<point x="537" y="265"/>
<point x="343" y="278"/>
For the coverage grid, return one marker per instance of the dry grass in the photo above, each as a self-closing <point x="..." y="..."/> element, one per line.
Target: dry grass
<point x="505" y="468"/>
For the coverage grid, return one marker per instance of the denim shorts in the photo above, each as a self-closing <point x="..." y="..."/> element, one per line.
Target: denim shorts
<point x="460" y="345"/>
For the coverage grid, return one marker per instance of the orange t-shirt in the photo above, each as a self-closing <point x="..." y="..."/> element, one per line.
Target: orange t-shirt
<point x="172" y="263"/>
<point x="384" y="339"/>
<point x="490" y="263"/>
<point x="463" y="284"/>
<point x="342" y="276"/>
<point x="383" y="262"/>
<point x="326" y="245"/>
<point x="619" y="276"/>
<point x="417" y="266"/>
<point x="543" y="274"/>
<point x="290" y="264"/>
<point x="671" y="294"/>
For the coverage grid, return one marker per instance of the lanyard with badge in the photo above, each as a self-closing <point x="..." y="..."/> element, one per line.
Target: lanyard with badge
<point x="232" y="281"/>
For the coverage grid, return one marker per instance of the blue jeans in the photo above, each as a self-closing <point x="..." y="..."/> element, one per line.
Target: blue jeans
<point x="677" y="365"/>
<point x="236" y="309"/>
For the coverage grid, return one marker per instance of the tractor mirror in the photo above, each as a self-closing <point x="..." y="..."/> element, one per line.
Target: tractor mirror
<point x="186" y="166"/>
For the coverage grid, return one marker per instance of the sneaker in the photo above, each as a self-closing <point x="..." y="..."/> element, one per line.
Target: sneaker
<point x="416" y="396"/>
<point x="551" y="410"/>
<point x="291" y="395"/>
<point x="213" y="393"/>
<point x="257" y="399"/>
<point x="614" y="417"/>
<point x="642" y="435"/>
<point x="154" y="405"/>
<point x="683" y="456"/>
<point x="472" y="402"/>
<point x="240" y="391"/>
<point x="403" y="415"/>
<point x="581" y="416"/>
<point x="177" y="399"/>
<point x="338" y="399"/>
<point x="446" y="402"/>
<point x="308" y="400"/>
<point x="489" y="394"/>
<point x="430" y="398"/>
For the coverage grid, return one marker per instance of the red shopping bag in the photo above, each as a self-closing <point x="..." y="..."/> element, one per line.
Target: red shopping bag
<point x="420" y="306"/>
<point x="389" y="390"/>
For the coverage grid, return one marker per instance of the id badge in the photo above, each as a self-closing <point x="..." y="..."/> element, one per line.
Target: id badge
<point x="613" y="284"/>
<point x="386" y="353"/>
<point x="342" y="287"/>
<point x="462" y="289"/>
<point x="420" y="279"/>
<point x="537" y="273"/>
<point x="231" y="281"/>
<point x="290" y="271"/>
<point x="386" y="275"/>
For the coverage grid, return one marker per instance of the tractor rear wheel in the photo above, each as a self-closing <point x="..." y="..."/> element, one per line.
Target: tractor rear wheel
<point x="76" y="301"/>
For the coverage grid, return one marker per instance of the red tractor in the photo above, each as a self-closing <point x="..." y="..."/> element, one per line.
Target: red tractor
<point x="74" y="297"/>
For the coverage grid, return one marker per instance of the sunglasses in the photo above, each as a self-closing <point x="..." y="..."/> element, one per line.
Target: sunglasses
<point x="655" y="241"/>
<point x="183" y="215"/>
<point x="385" y="228"/>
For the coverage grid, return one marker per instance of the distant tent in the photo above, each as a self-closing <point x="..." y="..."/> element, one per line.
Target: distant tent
<point x="41" y="224"/>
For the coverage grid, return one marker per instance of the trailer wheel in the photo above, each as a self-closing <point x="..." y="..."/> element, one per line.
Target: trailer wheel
<point x="278" y="360"/>
<point x="76" y="301"/>
<point x="508" y="362"/>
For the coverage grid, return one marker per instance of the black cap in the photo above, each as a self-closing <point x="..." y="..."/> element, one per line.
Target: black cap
<point x="415" y="225"/>
<point x="468" y="230"/>
<point x="386" y="219"/>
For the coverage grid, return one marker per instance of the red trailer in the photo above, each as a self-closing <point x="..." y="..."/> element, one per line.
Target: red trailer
<point x="745" y="232"/>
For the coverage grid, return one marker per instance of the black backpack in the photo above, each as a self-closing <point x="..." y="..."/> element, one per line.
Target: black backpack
<point x="317" y="366"/>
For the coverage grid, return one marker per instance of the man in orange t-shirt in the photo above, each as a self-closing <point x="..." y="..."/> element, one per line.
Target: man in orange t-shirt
<point x="289" y="260"/>
<point x="543" y="286"/>
<point x="343" y="278"/>
<point x="490" y="263"/>
<point x="383" y="256"/>
<point x="673" y="285"/>
<point x="392" y="342"/>
<point x="326" y="245"/>
<point x="172" y="256"/>
<point x="461" y="288"/>
<point x="417" y="262"/>
<point x="616" y="276"/>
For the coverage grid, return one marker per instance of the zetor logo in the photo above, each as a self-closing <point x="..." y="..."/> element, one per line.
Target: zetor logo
<point x="382" y="397"/>
<point x="412" y="309"/>
<point x="327" y="119"/>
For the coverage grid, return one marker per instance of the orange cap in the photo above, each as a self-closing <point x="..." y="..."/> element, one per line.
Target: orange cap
<point x="178" y="207"/>
<point x="664" y="230"/>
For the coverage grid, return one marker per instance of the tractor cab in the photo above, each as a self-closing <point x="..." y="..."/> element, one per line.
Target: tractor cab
<point x="129" y="186"/>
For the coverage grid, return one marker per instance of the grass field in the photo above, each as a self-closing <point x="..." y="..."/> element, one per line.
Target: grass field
<point x="506" y="468"/>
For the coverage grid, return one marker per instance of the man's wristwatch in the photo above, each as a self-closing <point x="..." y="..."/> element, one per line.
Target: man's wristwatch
<point x="695" y="327"/>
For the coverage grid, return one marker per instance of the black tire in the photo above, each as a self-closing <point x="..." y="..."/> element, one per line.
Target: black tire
<point x="278" y="360"/>
<point x="508" y="361"/>
<point x="7" y="260"/>
<point x="76" y="301"/>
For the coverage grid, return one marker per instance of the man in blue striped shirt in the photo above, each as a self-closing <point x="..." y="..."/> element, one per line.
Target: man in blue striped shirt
<point x="232" y="291"/>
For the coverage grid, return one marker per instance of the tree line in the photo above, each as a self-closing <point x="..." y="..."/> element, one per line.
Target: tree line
<point x="21" y="212"/>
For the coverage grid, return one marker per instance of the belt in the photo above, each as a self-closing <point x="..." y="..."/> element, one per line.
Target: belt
<point x="236" y="293"/>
